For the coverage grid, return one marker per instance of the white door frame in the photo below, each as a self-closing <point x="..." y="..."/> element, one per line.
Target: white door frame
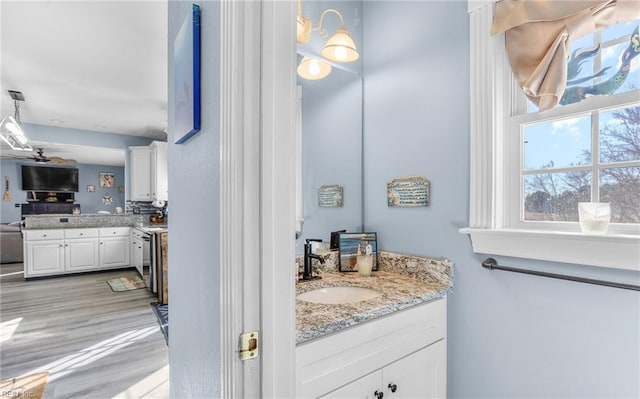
<point x="257" y="120"/>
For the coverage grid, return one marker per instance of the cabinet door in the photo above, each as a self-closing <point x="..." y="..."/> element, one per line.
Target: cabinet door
<point x="114" y="252"/>
<point x="423" y="374"/>
<point x="140" y="173"/>
<point x="44" y="257"/>
<point x="159" y="181"/>
<point x="365" y="387"/>
<point x="136" y="254"/>
<point x="81" y="254"/>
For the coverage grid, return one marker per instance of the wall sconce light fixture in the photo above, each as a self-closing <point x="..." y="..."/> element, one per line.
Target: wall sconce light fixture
<point x="339" y="48"/>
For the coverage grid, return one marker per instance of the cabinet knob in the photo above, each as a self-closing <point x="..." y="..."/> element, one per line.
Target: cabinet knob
<point x="66" y="245"/>
<point x="81" y="234"/>
<point x="101" y="243"/>
<point x="378" y="395"/>
<point x="60" y="245"/>
<point x="392" y="387"/>
<point x="44" y="235"/>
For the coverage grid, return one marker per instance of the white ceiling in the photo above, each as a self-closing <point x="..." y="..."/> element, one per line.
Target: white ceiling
<point x="90" y="65"/>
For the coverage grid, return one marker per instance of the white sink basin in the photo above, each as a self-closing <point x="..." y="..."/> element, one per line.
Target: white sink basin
<point x="336" y="295"/>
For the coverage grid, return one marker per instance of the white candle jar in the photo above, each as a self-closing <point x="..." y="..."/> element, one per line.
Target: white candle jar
<point x="594" y="217"/>
<point x="365" y="265"/>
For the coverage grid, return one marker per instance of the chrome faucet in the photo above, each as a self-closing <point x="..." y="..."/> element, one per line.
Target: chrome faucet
<point x="307" y="273"/>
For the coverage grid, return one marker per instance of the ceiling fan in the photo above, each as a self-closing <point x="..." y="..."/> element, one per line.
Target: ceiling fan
<point x="39" y="157"/>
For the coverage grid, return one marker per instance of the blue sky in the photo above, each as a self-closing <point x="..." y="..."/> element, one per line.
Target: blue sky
<point x="564" y="141"/>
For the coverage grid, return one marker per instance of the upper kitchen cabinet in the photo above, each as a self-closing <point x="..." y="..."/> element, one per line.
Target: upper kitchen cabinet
<point x="159" y="183"/>
<point x="148" y="172"/>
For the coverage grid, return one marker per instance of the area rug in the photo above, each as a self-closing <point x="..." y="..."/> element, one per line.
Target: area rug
<point x="28" y="386"/>
<point x="126" y="283"/>
<point x="162" y="314"/>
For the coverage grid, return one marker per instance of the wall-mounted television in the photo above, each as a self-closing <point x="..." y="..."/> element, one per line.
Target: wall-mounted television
<point x="45" y="178"/>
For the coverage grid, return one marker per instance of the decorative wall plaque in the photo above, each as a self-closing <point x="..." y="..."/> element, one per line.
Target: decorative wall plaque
<point x="330" y="196"/>
<point x="408" y="191"/>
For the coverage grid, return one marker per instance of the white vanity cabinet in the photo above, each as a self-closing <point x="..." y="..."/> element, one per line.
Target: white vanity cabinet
<point x="114" y="247"/>
<point x="148" y="172"/>
<point x="402" y="355"/>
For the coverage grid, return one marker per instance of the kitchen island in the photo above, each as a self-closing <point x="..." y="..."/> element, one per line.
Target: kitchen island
<point x="62" y="244"/>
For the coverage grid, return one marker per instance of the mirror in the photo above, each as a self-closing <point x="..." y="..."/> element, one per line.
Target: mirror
<point x="331" y="153"/>
<point x="331" y="120"/>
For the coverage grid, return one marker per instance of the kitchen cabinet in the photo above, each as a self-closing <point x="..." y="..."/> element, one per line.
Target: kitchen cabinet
<point x="114" y="247"/>
<point x="80" y="250"/>
<point x="159" y="180"/>
<point x="62" y="251"/>
<point x="140" y="173"/>
<point x="135" y="250"/>
<point x="43" y="253"/>
<point x="148" y="172"/>
<point x="403" y="352"/>
<point x="49" y="252"/>
<point x="139" y="249"/>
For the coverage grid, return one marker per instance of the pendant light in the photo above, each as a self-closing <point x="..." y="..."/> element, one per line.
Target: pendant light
<point x="10" y="130"/>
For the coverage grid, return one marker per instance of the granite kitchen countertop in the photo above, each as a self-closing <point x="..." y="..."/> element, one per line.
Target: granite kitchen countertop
<point x="398" y="282"/>
<point x="83" y="220"/>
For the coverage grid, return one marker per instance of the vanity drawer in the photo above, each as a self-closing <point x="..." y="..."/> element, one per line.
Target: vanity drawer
<point x="81" y="233"/>
<point x="43" y="234"/>
<point x="114" y="231"/>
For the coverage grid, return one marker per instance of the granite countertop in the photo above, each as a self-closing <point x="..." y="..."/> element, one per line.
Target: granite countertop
<point x="404" y="281"/>
<point x="53" y="221"/>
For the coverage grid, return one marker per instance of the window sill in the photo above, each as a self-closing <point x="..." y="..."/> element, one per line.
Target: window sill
<point x="610" y="250"/>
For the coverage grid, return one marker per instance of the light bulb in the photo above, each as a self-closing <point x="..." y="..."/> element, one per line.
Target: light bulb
<point x="340" y="53"/>
<point x="314" y="67"/>
<point x="12" y="128"/>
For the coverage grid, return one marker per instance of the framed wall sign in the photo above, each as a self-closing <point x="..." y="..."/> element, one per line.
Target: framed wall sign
<point x="409" y="191"/>
<point x="331" y="196"/>
<point x="353" y="245"/>
<point x="186" y="63"/>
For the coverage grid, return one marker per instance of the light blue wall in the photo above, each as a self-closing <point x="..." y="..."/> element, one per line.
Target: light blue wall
<point x="510" y="335"/>
<point x="87" y="175"/>
<point x="194" y="187"/>
<point x="331" y="153"/>
<point x="90" y="202"/>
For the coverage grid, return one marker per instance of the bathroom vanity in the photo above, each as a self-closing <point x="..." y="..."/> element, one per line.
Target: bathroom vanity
<point x="392" y="345"/>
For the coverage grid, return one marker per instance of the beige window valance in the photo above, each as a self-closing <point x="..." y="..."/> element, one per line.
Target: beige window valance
<point x="538" y="33"/>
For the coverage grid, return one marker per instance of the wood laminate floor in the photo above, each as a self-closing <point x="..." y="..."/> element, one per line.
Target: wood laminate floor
<point x="94" y="342"/>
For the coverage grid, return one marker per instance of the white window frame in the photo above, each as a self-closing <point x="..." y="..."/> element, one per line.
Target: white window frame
<point x="495" y="155"/>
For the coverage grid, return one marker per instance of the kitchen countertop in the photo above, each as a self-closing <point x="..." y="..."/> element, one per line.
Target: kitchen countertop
<point x="53" y="221"/>
<point x="401" y="288"/>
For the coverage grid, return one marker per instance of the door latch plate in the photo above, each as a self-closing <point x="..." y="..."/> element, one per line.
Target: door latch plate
<point x="249" y="345"/>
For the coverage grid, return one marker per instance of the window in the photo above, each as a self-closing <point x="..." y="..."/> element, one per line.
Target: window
<point x="529" y="169"/>
<point x="585" y="151"/>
